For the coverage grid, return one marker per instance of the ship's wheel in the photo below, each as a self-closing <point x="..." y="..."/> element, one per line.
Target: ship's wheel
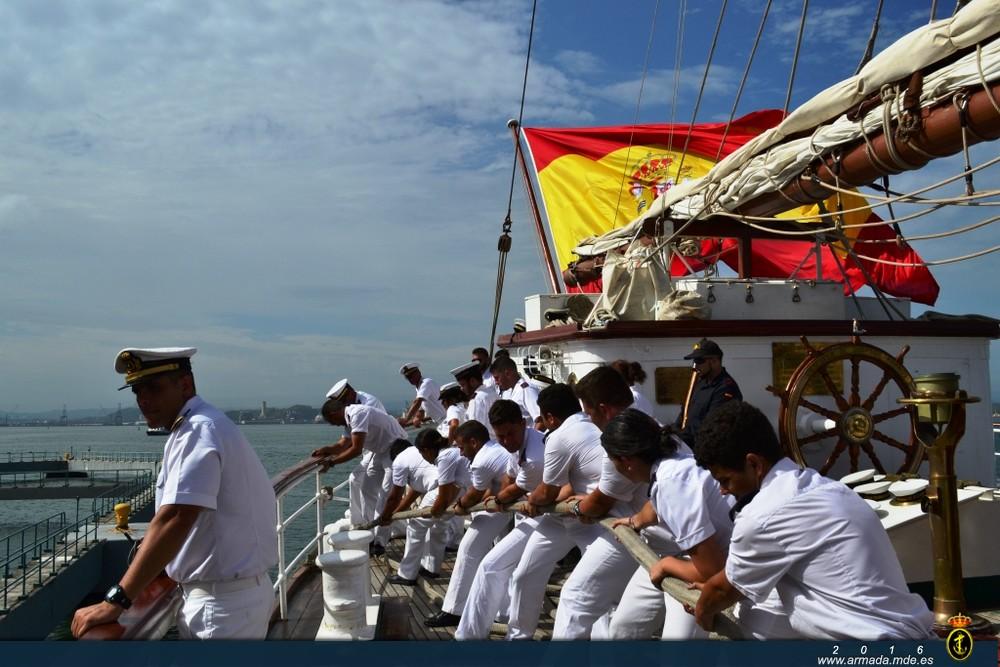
<point x="856" y="428"/>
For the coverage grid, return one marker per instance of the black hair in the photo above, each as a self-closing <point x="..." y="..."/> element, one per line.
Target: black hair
<point x="604" y="385"/>
<point x="558" y="400"/>
<point x="730" y="432"/>
<point x="472" y="429"/>
<point x="634" y="433"/>
<point x="501" y="364"/>
<point x="329" y="406"/>
<point x="398" y="446"/>
<point x="480" y="350"/>
<point x="455" y="395"/>
<point x="501" y="352"/>
<point x="636" y="373"/>
<point x="505" y="412"/>
<point x="429" y="438"/>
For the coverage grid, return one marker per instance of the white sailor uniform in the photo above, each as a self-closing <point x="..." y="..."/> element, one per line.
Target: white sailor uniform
<point x="425" y="538"/>
<point x="429" y="391"/>
<point x="526" y="397"/>
<point x="479" y="407"/>
<point x="573" y="455"/>
<point x="222" y="565"/>
<point x="690" y="508"/>
<point x="488" y="593"/>
<point x="490" y="382"/>
<point x="829" y="558"/>
<point x="486" y="474"/>
<point x="454" y="412"/>
<point x="374" y="476"/>
<point x="354" y="488"/>
<point x="640" y="402"/>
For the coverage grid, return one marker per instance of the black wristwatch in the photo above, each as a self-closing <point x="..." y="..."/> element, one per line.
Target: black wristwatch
<point x="576" y="508"/>
<point x="116" y="595"/>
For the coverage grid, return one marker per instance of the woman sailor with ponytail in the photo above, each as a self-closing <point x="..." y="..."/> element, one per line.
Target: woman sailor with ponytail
<point x="686" y="504"/>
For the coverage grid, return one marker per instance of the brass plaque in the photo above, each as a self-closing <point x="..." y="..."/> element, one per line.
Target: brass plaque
<point x="672" y="384"/>
<point x="786" y="357"/>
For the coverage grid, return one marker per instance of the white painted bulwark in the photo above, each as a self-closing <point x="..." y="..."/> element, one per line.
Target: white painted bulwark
<point x="768" y="299"/>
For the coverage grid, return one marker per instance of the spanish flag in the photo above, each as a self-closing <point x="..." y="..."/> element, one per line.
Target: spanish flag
<point x="594" y="179"/>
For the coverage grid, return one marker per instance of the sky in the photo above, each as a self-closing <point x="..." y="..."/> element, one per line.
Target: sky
<point x="309" y="190"/>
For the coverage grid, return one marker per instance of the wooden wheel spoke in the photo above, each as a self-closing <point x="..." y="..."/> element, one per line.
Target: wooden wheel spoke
<point x="834" y="455"/>
<point x="819" y="409"/>
<point x="817" y="436"/>
<point x="842" y="403"/>
<point x="870" y="451"/>
<point x="890" y="414"/>
<point x="892" y="442"/>
<point x="855" y="380"/>
<point x="877" y="391"/>
<point x="854" y="450"/>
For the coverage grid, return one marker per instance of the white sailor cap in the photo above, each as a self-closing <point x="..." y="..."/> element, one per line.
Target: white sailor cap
<point x="448" y="386"/>
<point x="466" y="370"/>
<point x="138" y="364"/>
<point x="408" y="368"/>
<point x="339" y="391"/>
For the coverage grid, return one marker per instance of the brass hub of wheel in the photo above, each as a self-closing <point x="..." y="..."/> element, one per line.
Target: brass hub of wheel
<point x="856" y="425"/>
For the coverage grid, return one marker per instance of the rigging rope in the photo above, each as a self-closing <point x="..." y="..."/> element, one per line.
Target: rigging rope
<point x="504" y="242"/>
<point x="678" y="53"/>
<point x="795" y="58"/>
<point x="701" y="89"/>
<point x="743" y="81"/>
<point x="870" y="49"/>
<point x="638" y="104"/>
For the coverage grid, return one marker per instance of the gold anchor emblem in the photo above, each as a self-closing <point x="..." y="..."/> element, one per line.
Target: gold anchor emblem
<point x="959" y="644"/>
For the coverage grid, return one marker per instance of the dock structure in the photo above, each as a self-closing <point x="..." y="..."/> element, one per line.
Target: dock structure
<point x="32" y="558"/>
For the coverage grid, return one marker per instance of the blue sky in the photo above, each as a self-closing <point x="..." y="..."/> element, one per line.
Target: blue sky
<point x="307" y="190"/>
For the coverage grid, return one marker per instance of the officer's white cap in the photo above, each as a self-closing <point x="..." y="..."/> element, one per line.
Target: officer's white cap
<point x="466" y="369"/>
<point x="338" y="390"/>
<point x="408" y="368"/>
<point x="137" y="364"/>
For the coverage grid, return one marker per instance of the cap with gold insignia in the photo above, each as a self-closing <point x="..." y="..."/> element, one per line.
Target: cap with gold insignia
<point x="408" y="368"/>
<point x="340" y="390"/>
<point x="467" y="370"/>
<point x="705" y="348"/>
<point x="447" y="387"/>
<point x="138" y="365"/>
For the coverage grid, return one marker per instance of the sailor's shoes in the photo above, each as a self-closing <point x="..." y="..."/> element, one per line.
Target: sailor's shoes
<point x="401" y="581"/>
<point x="427" y="574"/>
<point x="442" y="619"/>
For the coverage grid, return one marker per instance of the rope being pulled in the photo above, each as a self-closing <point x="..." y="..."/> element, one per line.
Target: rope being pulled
<point x="725" y="624"/>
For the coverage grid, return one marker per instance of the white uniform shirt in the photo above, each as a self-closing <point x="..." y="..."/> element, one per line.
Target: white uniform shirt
<point x="489" y="467"/>
<point x="429" y="391"/>
<point x="573" y="455"/>
<point x="526" y="396"/>
<point x="525" y="465"/>
<point x="490" y="382"/>
<point x="688" y="503"/>
<point x="456" y="412"/>
<point x="479" y="407"/>
<point x="640" y="402"/>
<point x="826" y="553"/>
<point x="208" y="463"/>
<point x="364" y="398"/>
<point x="631" y="496"/>
<point x="410" y="468"/>
<point x="453" y="468"/>
<point x="381" y="430"/>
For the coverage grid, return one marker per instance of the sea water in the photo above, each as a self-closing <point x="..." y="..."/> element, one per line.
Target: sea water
<point x="279" y="447"/>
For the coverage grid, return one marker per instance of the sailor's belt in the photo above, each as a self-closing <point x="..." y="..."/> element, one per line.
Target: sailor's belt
<point x="222" y="586"/>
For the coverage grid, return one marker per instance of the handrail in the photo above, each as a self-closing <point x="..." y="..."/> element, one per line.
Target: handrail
<point x="283" y="483"/>
<point x="25" y="477"/>
<point x="140" y="489"/>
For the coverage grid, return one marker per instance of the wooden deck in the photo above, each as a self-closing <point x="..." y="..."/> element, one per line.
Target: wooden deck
<point x="404" y="605"/>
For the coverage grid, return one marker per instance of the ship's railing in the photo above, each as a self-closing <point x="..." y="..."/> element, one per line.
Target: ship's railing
<point x="307" y="470"/>
<point x="52" y="545"/>
<point x="120" y="457"/>
<point x="40" y="478"/>
<point x="30" y="457"/>
<point x="140" y="491"/>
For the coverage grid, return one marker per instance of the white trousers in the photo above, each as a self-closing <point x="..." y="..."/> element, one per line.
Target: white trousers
<point x="551" y="540"/>
<point x="425" y="542"/>
<point x="369" y="486"/>
<point x="594" y="588"/>
<point x="485" y="528"/>
<point x="490" y="584"/>
<point x="456" y="529"/>
<point x="241" y="614"/>
<point x="645" y="611"/>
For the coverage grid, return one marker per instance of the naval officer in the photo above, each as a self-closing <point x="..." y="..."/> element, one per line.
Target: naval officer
<point x="713" y="387"/>
<point x="481" y="356"/>
<point x="214" y="527"/>
<point x="515" y="388"/>
<point x="426" y="402"/>
<point x="481" y="398"/>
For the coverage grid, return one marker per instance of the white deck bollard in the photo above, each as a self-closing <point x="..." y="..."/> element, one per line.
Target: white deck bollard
<point x="337" y="526"/>
<point x="345" y="612"/>
<point x="356" y="540"/>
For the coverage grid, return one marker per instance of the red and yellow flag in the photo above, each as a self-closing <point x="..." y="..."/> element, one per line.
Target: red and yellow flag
<point x="594" y="179"/>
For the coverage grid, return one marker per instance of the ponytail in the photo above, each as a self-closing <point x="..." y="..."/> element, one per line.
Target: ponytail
<point x="634" y="433"/>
